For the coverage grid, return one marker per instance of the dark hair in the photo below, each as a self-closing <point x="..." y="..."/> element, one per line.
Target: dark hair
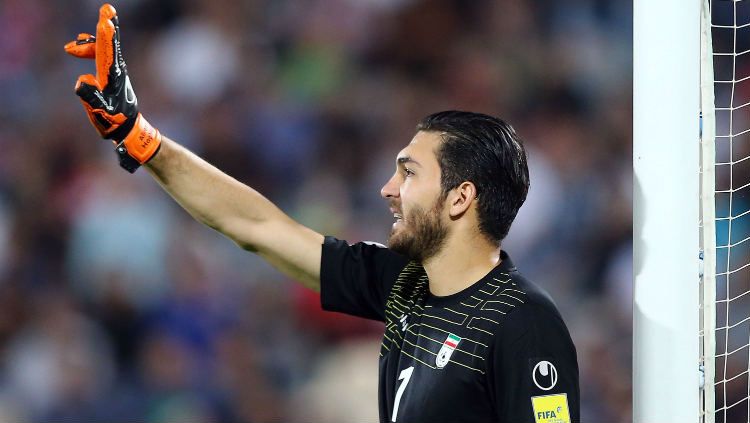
<point x="487" y="152"/>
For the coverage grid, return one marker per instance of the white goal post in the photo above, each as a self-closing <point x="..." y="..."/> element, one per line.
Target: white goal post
<point x="666" y="97"/>
<point x="691" y="83"/>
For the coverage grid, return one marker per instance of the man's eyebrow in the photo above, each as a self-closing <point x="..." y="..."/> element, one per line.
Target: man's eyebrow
<point x="407" y="159"/>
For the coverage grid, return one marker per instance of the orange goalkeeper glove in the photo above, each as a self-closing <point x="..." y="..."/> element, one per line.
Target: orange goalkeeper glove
<point x="108" y="97"/>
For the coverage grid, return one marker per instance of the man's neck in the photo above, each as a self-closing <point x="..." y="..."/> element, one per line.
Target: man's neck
<point x="460" y="263"/>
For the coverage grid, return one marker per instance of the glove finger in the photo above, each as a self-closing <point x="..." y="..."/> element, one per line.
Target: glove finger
<point x="106" y="65"/>
<point x="83" y="47"/>
<point x="88" y="79"/>
<point x="119" y="59"/>
<point x="99" y="111"/>
<point x="88" y="88"/>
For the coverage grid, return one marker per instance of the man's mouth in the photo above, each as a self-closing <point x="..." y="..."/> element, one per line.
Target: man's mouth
<point x="397" y="214"/>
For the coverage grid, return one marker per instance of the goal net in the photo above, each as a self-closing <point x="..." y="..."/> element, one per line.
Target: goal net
<point x="725" y="211"/>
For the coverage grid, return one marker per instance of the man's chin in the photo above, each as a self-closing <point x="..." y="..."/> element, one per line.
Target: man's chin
<point x="402" y="244"/>
<point x="393" y="242"/>
<point x="396" y="241"/>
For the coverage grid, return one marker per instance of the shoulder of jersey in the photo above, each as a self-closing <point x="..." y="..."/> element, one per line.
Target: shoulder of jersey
<point x="536" y="295"/>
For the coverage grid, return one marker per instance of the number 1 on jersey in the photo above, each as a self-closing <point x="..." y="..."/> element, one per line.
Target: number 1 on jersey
<point x="405" y="376"/>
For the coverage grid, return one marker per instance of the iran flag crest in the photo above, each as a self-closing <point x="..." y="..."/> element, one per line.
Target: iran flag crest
<point x="444" y="355"/>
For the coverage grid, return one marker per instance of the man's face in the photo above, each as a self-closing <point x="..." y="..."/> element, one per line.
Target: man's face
<point x="414" y="194"/>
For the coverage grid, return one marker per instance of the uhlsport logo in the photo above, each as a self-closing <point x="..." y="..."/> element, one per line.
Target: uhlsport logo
<point x="444" y="355"/>
<point x="544" y="375"/>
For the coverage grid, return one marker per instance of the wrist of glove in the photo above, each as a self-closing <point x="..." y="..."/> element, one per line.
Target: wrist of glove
<point x="108" y="97"/>
<point x="139" y="146"/>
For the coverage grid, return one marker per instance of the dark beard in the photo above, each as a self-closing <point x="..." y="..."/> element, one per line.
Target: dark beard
<point x="423" y="236"/>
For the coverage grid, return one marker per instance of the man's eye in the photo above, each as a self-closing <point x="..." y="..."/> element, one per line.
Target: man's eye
<point x="408" y="172"/>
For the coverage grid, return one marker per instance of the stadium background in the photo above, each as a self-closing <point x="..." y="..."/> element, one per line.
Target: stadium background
<point x="115" y="305"/>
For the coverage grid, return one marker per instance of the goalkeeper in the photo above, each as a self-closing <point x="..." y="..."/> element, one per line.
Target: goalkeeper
<point x="467" y="337"/>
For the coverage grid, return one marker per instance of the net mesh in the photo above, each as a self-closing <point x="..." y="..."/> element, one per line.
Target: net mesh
<point x="730" y="359"/>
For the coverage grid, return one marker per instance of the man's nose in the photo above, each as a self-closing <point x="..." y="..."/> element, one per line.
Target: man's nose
<point x="390" y="189"/>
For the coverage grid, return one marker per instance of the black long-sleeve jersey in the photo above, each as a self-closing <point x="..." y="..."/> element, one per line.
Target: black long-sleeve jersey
<point x="498" y="351"/>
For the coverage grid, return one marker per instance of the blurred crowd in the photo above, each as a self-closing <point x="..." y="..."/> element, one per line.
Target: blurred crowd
<point x="116" y="306"/>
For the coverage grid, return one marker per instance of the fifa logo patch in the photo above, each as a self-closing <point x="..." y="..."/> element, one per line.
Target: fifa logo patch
<point x="444" y="355"/>
<point x="551" y="408"/>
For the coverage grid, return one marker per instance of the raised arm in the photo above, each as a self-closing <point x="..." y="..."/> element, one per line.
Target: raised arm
<point x="209" y="195"/>
<point x="239" y="212"/>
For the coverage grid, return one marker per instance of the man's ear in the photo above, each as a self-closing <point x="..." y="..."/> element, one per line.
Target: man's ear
<point x="461" y="198"/>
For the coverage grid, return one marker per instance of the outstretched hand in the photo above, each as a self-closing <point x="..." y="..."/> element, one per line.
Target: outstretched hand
<point x="108" y="97"/>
